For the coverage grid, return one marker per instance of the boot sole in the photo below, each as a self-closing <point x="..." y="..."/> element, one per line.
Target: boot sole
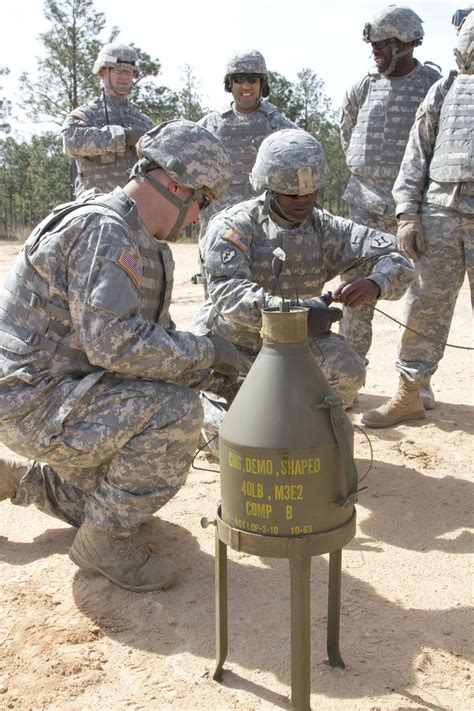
<point x="380" y="425"/>
<point x="85" y="565"/>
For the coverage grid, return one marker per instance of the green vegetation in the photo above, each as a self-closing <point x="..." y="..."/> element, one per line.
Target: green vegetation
<point x="35" y="175"/>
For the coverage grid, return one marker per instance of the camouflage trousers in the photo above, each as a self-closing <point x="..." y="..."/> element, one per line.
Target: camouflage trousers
<point x="356" y="326"/>
<point x="123" y="452"/>
<point x="430" y="300"/>
<point x="343" y="368"/>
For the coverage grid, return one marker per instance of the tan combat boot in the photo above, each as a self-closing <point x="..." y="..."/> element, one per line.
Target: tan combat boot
<point x="118" y="557"/>
<point x="11" y="473"/>
<point x="406" y="404"/>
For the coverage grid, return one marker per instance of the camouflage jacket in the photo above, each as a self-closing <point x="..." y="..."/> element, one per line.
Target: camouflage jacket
<point x="238" y="252"/>
<point x="241" y="135"/>
<point x="377" y="115"/>
<point x="89" y="294"/>
<point x="415" y="184"/>
<point x="94" y="135"/>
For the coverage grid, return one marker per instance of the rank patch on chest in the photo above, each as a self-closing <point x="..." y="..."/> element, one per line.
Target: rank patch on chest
<point x="129" y="265"/>
<point x="236" y="239"/>
<point x="381" y="242"/>
<point x="227" y="255"/>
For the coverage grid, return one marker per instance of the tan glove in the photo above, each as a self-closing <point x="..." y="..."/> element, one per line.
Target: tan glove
<point x="410" y="237"/>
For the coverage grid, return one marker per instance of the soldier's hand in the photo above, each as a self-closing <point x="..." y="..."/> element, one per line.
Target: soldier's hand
<point x="226" y="360"/>
<point x="132" y="135"/>
<point x="410" y="238"/>
<point x="321" y="317"/>
<point x="355" y="291"/>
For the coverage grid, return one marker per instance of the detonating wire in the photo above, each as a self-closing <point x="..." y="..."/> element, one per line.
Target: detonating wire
<point x="423" y="335"/>
<point x="198" y="451"/>
<point x="359" y="429"/>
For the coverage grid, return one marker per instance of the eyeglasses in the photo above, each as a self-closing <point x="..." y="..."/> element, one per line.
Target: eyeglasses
<point x="122" y="70"/>
<point x="246" y="78"/>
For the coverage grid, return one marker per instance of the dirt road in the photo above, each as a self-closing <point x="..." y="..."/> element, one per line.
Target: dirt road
<point x="71" y="641"/>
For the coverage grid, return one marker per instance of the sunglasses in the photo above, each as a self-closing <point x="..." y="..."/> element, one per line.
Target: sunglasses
<point x="381" y="45"/>
<point x="246" y="78"/>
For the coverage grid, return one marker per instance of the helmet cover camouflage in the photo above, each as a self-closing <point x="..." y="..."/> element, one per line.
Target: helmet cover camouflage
<point x="394" y="22"/>
<point x="189" y="153"/>
<point x="246" y="62"/>
<point x="117" y="54"/>
<point x="464" y="50"/>
<point x="291" y="162"/>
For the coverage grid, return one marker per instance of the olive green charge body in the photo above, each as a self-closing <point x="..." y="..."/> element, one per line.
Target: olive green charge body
<point x="285" y="446"/>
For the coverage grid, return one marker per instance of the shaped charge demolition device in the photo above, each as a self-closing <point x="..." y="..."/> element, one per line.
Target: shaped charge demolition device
<point x="288" y="483"/>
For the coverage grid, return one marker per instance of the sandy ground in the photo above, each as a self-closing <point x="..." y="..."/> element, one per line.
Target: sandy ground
<point x="71" y="640"/>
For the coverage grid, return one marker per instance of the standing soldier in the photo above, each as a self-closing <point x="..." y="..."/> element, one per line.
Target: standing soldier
<point x="377" y="115"/>
<point x="101" y="135"/>
<point x="93" y="374"/>
<point x="244" y="125"/>
<point x="434" y="194"/>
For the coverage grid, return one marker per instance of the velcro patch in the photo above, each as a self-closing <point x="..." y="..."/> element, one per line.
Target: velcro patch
<point x="381" y="242"/>
<point x="236" y="239"/>
<point x="128" y="264"/>
<point x="227" y="255"/>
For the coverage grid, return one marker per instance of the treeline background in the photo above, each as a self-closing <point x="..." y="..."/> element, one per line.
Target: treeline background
<point x="35" y="175"/>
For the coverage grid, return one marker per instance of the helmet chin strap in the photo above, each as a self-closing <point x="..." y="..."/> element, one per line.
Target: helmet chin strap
<point x="182" y="205"/>
<point x="462" y="64"/>
<point x="277" y="210"/>
<point x="396" y="55"/>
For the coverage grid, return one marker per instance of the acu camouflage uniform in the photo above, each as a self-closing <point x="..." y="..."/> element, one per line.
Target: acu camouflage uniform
<point x="377" y="115"/>
<point x="94" y="135"/>
<point x="241" y="135"/>
<point x="237" y="255"/>
<point x="93" y="372"/>
<point x="436" y="180"/>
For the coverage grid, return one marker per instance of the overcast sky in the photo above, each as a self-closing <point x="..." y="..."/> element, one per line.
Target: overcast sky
<point x="325" y="36"/>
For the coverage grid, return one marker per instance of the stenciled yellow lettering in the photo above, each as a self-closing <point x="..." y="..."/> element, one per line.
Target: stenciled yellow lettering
<point x="252" y="508"/>
<point x="234" y="460"/>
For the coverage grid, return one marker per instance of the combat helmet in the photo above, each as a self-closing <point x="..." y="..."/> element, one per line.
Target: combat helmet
<point x="117" y="54"/>
<point x="395" y="23"/>
<point x="247" y="62"/>
<point x="291" y="162"/>
<point x="191" y="155"/>
<point x="464" y="51"/>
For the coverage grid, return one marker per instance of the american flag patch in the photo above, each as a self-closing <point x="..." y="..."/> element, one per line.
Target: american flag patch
<point x="236" y="239"/>
<point x="128" y="264"/>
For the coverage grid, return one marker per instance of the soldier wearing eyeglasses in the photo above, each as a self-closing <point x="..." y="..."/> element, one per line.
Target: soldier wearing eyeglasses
<point x="244" y="125"/>
<point x="101" y="135"/>
<point x="377" y="114"/>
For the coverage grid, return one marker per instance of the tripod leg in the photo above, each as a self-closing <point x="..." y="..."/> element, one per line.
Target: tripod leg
<point x="334" y="609"/>
<point x="300" y="569"/>
<point x="221" y="605"/>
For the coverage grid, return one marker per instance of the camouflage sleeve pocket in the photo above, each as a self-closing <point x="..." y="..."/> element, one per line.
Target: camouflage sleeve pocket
<point x="116" y="288"/>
